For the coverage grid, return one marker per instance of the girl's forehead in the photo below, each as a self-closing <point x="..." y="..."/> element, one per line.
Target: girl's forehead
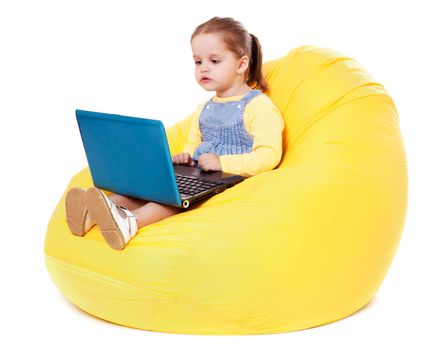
<point x="207" y="45"/>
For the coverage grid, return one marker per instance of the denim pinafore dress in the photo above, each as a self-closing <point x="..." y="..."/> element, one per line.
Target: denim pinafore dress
<point x="222" y="127"/>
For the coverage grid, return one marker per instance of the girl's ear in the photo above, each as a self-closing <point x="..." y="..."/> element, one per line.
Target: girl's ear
<point x="243" y="64"/>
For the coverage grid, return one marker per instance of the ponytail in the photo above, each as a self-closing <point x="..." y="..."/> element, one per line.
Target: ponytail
<point x="255" y="66"/>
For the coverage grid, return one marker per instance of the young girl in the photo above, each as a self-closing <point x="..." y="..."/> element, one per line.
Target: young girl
<point x="239" y="130"/>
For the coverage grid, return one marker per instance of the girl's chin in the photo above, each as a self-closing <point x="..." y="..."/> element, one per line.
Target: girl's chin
<point x="208" y="88"/>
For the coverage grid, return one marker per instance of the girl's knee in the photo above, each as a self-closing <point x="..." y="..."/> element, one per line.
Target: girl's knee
<point x="115" y="197"/>
<point x="129" y="202"/>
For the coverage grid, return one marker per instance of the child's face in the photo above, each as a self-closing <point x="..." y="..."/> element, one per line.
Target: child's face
<point x="214" y="61"/>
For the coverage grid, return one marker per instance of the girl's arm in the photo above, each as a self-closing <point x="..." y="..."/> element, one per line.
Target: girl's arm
<point x="266" y="126"/>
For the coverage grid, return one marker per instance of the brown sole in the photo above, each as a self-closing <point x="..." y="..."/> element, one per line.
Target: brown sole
<point x="103" y="217"/>
<point x="76" y="210"/>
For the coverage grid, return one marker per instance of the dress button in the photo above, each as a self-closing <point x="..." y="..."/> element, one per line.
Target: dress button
<point x="208" y="107"/>
<point x="239" y="106"/>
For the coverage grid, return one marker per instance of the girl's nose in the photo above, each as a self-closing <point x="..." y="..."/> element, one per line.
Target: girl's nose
<point x="204" y="69"/>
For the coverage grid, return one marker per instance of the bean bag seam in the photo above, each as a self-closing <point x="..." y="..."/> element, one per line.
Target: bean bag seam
<point x="130" y="286"/>
<point x="333" y="107"/>
<point x="194" y="253"/>
<point x="95" y="275"/>
<point x="326" y="64"/>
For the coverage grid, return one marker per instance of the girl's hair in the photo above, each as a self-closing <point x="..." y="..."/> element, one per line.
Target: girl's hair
<point x="240" y="42"/>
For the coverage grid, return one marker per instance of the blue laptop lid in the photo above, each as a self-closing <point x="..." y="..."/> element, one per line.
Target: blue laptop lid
<point x="129" y="156"/>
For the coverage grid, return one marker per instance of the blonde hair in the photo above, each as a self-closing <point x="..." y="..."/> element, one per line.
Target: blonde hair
<point x="240" y="42"/>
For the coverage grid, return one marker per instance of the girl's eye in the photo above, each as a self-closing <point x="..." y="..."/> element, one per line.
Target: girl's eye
<point x="214" y="61"/>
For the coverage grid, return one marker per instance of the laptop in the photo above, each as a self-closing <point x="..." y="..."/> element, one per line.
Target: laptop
<point x="131" y="156"/>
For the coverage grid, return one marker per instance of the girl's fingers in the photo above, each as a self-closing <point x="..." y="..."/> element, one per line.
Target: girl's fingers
<point x="183" y="158"/>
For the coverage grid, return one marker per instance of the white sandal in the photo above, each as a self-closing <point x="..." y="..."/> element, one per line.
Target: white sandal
<point x="78" y="217"/>
<point x="116" y="229"/>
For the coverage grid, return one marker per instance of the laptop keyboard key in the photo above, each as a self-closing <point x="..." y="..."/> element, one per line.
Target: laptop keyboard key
<point x="188" y="185"/>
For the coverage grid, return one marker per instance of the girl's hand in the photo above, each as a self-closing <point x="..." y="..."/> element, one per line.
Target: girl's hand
<point x="209" y="161"/>
<point x="183" y="158"/>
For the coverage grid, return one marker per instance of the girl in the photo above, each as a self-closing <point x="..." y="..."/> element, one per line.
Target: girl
<point x="239" y="130"/>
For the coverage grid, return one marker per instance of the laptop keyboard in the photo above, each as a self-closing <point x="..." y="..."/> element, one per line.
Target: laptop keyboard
<point x="190" y="185"/>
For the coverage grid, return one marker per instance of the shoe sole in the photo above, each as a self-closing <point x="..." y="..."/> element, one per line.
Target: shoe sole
<point x="103" y="217"/>
<point x="76" y="210"/>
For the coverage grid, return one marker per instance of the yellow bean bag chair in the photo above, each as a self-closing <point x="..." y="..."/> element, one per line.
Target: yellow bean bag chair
<point x="305" y="244"/>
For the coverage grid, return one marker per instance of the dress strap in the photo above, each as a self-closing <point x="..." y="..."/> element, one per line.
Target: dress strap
<point x="250" y="95"/>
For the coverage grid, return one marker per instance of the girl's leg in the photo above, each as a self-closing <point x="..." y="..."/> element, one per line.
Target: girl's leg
<point x="118" y="231"/>
<point x="152" y="212"/>
<point x="145" y="212"/>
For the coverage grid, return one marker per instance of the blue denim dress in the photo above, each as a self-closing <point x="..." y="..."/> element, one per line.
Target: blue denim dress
<point x="222" y="127"/>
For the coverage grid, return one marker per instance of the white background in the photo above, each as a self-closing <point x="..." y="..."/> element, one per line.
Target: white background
<point x="134" y="58"/>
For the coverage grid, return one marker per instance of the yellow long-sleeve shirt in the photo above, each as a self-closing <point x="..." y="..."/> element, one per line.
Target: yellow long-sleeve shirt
<point x="263" y="121"/>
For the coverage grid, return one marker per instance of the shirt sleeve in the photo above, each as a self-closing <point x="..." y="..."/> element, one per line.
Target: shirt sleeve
<point x="194" y="138"/>
<point x="265" y="123"/>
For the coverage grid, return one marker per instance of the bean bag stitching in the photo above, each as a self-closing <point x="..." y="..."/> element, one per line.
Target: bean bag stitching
<point x="330" y="109"/>
<point x="277" y="67"/>
<point x="327" y="64"/>
<point x="130" y="286"/>
<point x="191" y="256"/>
